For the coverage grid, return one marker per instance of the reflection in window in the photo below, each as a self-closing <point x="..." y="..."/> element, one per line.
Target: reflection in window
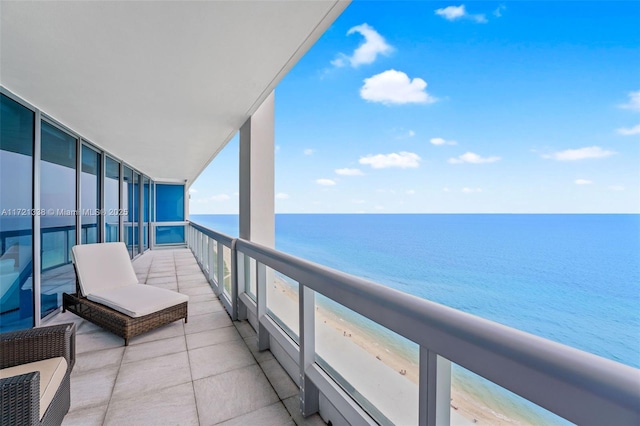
<point x="58" y="226"/>
<point x="16" y="171"/>
<point x="90" y="198"/>
<point x="112" y="200"/>
<point x="169" y="208"/>
<point x="169" y="203"/>
<point x="145" y="213"/>
<point x="136" y="213"/>
<point x="129" y="198"/>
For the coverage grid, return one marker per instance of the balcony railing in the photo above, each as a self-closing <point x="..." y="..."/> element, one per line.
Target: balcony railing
<point x="578" y="386"/>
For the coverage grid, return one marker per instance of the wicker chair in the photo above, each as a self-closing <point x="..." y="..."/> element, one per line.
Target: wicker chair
<point x="20" y="394"/>
<point x="108" y="293"/>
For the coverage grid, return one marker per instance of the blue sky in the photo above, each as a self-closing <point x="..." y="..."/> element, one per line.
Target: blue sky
<point x="449" y="107"/>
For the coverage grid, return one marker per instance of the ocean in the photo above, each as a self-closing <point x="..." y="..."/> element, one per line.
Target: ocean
<point x="571" y="278"/>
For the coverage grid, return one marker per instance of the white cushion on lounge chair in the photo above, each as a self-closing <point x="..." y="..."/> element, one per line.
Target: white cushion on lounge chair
<point x="52" y="372"/>
<point x="103" y="266"/>
<point x="137" y="300"/>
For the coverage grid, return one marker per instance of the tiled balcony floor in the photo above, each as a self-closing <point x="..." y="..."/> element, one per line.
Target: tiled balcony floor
<point x="205" y="372"/>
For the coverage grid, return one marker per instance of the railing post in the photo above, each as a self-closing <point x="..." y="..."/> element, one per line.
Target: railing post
<point x="434" y="389"/>
<point x="309" y="394"/>
<point x="196" y="248"/>
<point x="241" y="277"/>
<point x="234" y="281"/>
<point x="210" y="275"/>
<point x="220" y="277"/>
<point x="205" y="255"/>
<point x="261" y="302"/>
<point x="203" y="252"/>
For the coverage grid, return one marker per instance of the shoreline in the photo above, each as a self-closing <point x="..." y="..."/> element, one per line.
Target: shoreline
<point x="466" y="409"/>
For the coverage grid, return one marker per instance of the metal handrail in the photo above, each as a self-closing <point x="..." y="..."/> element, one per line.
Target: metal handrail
<point x="578" y="386"/>
<point x="220" y="237"/>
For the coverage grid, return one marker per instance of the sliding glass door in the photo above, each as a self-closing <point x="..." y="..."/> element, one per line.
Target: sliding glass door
<point x="58" y="225"/>
<point x="17" y="134"/>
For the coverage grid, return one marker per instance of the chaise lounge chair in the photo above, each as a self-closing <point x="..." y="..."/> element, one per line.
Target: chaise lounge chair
<point x="108" y="293"/>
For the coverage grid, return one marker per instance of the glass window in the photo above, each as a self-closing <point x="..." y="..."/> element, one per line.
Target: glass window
<point x="112" y="200"/>
<point x="90" y="198"/>
<point x="169" y="203"/>
<point x="145" y="213"/>
<point x="127" y="207"/>
<point x="169" y="208"/>
<point x="16" y="174"/>
<point x="58" y="226"/>
<point x="135" y="202"/>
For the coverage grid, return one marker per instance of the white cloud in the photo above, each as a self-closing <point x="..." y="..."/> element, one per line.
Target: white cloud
<point x="403" y="160"/>
<point x="277" y="148"/>
<point x="635" y="130"/>
<point x="441" y="141"/>
<point x="498" y="11"/>
<point x="634" y="101"/>
<point x="471" y="190"/>
<point x="471" y="158"/>
<point x="374" y="44"/>
<point x="453" y="13"/>
<point x="220" y="197"/>
<point x="411" y="192"/>
<point x="309" y="151"/>
<point x="379" y="207"/>
<point x="325" y="182"/>
<point x="349" y="172"/>
<point x="357" y="201"/>
<point x="583" y="182"/>
<point x="445" y="189"/>
<point x="579" y="154"/>
<point x="395" y="87"/>
<point x="616" y="188"/>
<point x="282" y="196"/>
<point x="406" y="135"/>
<point x="192" y="190"/>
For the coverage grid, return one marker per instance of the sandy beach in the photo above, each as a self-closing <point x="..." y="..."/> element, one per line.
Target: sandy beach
<point x="383" y="374"/>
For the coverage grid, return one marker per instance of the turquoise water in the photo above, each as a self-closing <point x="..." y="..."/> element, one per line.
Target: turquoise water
<point x="574" y="279"/>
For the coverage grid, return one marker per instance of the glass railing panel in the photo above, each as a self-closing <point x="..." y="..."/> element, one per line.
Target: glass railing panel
<point x="16" y="277"/>
<point x="475" y="399"/>
<point x="282" y="302"/>
<point x="376" y="366"/>
<point x="170" y="234"/>
<point x="58" y="275"/>
<point x="226" y="273"/>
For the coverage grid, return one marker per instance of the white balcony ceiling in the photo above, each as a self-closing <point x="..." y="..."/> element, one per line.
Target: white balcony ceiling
<point x="161" y="85"/>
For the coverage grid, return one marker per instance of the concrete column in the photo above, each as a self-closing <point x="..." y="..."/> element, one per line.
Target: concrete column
<point x="257" y="210"/>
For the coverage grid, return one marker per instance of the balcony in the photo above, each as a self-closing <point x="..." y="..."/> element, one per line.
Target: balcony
<point x="207" y="371"/>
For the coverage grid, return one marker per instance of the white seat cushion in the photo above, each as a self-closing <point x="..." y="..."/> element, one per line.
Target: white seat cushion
<point x="103" y="266"/>
<point x="137" y="300"/>
<point x="52" y="373"/>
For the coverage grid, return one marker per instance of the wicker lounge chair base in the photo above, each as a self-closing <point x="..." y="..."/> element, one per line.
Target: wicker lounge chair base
<point x="118" y="323"/>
